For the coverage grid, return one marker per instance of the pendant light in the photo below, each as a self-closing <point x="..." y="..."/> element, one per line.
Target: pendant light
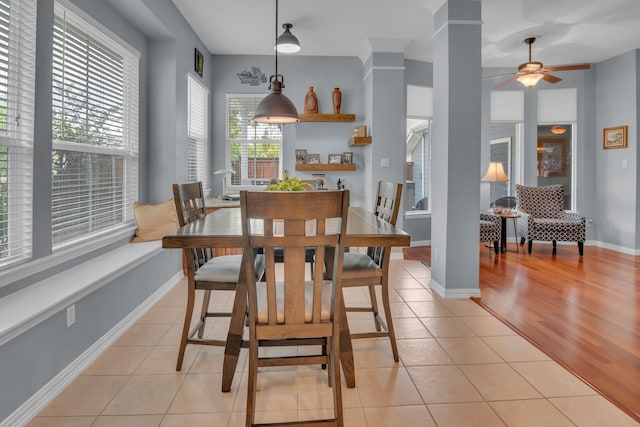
<point x="276" y="107"/>
<point x="287" y="42"/>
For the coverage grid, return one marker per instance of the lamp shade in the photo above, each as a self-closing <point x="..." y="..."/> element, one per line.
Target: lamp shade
<point x="495" y="173"/>
<point x="287" y="42"/>
<point x="276" y="107"/>
<point x="529" y="80"/>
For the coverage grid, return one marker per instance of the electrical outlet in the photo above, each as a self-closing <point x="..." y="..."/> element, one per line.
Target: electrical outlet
<point x="71" y="315"/>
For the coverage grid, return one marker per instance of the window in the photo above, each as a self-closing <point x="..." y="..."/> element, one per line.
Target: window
<point x="556" y="142"/>
<point x="418" y="172"/>
<point x="554" y="153"/>
<point x="505" y="148"/>
<point x="17" y="65"/>
<point x="95" y="130"/>
<point x="418" y="165"/>
<point x="254" y="150"/>
<point x="197" y="131"/>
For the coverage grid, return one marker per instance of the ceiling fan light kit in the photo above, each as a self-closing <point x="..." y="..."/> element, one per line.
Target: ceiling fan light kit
<point x="530" y="73"/>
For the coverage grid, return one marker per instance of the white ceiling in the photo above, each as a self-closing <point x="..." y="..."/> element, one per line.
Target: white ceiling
<point x="569" y="31"/>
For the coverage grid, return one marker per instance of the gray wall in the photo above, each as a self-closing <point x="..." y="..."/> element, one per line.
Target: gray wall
<point x="616" y="188"/>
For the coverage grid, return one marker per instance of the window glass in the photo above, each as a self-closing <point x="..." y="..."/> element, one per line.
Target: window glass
<point x="95" y="130"/>
<point x="254" y="150"/>
<point x="418" y="165"/>
<point x="17" y="79"/>
<point x="197" y="131"/>
<point x="554" y="158"/>
<point x="505" y="148"/>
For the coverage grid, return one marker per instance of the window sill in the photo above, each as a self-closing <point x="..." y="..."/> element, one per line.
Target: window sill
<point x="62" y="255"/>
<point x="417" y="214"/>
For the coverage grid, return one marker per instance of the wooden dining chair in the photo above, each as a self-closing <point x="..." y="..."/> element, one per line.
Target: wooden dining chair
<point x="204" y="271"/>
<point x="371" y="269"/>
<point x="290" y="310"/>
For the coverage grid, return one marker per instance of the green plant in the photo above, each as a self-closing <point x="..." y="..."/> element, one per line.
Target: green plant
<point x="288" y="183"/>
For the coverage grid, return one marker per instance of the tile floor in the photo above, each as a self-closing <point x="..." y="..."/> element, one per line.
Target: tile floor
<point x="459" y="367"/>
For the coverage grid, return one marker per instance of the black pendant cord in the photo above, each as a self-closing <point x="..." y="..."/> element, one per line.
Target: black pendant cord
<point x="276" y="39"/>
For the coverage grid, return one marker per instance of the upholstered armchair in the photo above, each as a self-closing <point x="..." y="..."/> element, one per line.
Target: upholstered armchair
<point x="490" y="229"/>
<point x="543" y="217"/>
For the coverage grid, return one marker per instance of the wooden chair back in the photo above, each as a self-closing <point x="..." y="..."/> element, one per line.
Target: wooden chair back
<point x="189" y="200"/>
<point x="388" y="201"/>
<point x="387" y="208"/>
<point x="289" y="308"/>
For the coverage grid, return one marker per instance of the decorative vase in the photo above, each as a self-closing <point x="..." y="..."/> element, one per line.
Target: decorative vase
<point x="311" y="102"/>
<point x="336" y="97"/>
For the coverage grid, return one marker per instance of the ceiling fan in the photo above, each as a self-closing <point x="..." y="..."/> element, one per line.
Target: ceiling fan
<point x="532" y="72"/>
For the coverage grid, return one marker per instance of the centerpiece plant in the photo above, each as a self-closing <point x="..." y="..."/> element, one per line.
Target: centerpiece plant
<point x="289" y="183"/>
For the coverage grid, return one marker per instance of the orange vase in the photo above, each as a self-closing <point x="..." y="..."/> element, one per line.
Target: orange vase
<point x="336" y="97"/>
<point x="311" y="102"/>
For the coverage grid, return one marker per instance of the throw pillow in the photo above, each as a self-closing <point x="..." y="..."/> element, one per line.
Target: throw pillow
<point x="541" y="202"/>
<point x="154" y="221"/>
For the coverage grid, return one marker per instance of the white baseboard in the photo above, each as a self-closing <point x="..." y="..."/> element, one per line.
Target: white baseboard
<point x="453" y="293"/>
<point x="49" y="391"/>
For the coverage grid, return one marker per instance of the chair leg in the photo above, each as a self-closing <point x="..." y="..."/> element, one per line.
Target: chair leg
<point x="252" y="382"/>
<point x="554" y="246"/>
<point x="522" y="241"/>
<point x="496" y="247"/>
<point x="203" y="312"/>
<point x="387" y="314"/>
<point x="191" y="297"/>
<point x="374" y="306"/>
<point x="581" y="248"/>
<point x="530" y="245"/>
<point x="334" y="373"/>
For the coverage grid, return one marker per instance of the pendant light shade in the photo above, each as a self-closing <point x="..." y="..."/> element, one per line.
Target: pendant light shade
<point x="276" y="107"/>
<point x="529" y="80"/>
<point x="287" y="42"/>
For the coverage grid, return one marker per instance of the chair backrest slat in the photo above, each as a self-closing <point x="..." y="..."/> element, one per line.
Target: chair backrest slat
<point x="299" y="219"/>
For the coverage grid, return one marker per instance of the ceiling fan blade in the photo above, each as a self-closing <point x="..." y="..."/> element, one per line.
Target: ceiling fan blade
<point x="568" y="67"/>
<point x="506" y="82"/>
<point x="498" y="75"/>
<point x="550" y="78"/>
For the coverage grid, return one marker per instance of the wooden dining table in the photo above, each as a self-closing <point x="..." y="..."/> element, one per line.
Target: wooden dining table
<point x="223" y="229"/>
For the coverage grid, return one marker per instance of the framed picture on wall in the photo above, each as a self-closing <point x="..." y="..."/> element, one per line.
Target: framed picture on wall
<point x="198" y="62"/>
<point x="615" y="137"/>
<point x="347" y="157"/>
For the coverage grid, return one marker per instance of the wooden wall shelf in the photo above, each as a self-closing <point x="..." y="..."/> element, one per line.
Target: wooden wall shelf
<point x="359" y="140"/>
<point x="325" y="167"/>
<point x="327" y="117"/>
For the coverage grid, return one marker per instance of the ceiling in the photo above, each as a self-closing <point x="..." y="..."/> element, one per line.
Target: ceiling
<point x="568" y="31"/>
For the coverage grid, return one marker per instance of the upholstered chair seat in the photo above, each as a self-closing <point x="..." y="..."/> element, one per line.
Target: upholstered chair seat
<point x="490" y="229"/>
<point x="542" y="217"/>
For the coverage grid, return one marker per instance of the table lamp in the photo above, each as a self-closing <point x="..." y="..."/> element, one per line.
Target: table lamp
<point x="495" y="173"/>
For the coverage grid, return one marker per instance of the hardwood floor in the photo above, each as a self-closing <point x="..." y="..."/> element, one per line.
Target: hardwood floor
<point x="584" y="312"/>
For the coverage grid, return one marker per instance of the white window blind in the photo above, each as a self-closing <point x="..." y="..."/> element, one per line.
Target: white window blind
<point x="254" y="150"/>
<point x="95" y="130"/>
<point x="197" y="131"/>
<point x="17" y="78"/>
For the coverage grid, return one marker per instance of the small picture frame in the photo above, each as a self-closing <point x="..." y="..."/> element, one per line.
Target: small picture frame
<point x="198" y="62"/>
<point x="301" y="157"/>
<point x="360" y="131"/>
<point x="615" y="137"/>
<point x="347" y="157"/>
<point x="313" y="159"/>
<point x="335" y="159"/>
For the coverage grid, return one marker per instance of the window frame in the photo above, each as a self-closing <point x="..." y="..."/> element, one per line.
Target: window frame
<point x="19" y="85"/>
<point x="230" y="187"/>
<point x="128" y="146"/>
<point x="422" y="212"/>
<point x="197" y="133"/>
